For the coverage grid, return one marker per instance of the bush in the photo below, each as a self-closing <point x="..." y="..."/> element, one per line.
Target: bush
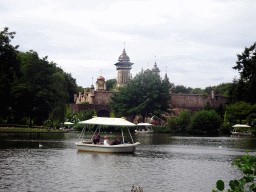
<point x="79" y="127"/>
<point x="205" y="122"/>
<point x="172" y="124"/>
<point x="159" y="129"/>
<point x="225" y="129"/>
<point x="183" y="121"/>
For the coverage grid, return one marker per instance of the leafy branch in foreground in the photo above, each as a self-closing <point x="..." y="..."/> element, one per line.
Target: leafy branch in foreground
<point x="247" y="164"/>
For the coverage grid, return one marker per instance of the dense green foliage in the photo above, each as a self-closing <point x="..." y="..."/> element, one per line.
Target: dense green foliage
<point x="75" y="117"/>
<point x="205" y="122"/>
<point x="181" y="89"/>
<point x="247" y="164"/>
<point x="222" y="89"/>
<point x="146" y="95"/>
<point x="241" y="111"/>
<point x="110" y="84"/>
<point x="243" y="89"/>
<point x="9" y="72"/>
<point x="183" y="121"/>
<point x="31" y="87"/>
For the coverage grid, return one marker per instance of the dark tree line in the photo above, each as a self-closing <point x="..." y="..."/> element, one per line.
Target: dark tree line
<point x="31" y="88"/>
<point x="222" y="89"/>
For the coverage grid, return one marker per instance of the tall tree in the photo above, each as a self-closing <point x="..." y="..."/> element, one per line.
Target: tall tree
<point x="146" y="95"/>
<point x="43" y="88"/>
<point x="9" y="70"/>
<point x="244" y="89"/>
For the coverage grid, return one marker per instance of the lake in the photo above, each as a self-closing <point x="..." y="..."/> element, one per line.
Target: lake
<point x="163" y="162"/>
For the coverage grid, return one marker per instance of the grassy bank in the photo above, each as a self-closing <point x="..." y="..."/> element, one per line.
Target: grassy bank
<point x="30" y="130"/>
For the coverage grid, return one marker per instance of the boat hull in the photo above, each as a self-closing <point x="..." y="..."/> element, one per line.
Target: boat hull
<point x="122" y="148"/>
<point x="241" y="134"/>
<point x="136" y="131"/>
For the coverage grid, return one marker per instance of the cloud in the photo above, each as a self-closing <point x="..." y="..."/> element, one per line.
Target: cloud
<point x="197" y="40"/>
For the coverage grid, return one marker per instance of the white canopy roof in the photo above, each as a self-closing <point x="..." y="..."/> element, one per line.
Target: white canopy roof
<point x="68" y="123"/>
<point x="108" y="121"/>
<point x="240" y="125"/>
<point x="144" y="124"/>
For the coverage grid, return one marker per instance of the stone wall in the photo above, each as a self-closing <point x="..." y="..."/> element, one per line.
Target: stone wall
<point x="195" y="102"/>
<point x="82" y="107"/>
<point x="192" y="102"/>
<point x="102" y="97"/>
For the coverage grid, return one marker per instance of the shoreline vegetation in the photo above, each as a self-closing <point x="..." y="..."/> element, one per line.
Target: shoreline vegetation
<point x="22" y="129"/>
<point x="157" y="129"/>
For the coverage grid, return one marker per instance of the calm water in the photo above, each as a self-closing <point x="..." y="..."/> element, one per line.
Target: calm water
<point x="161" y="163"/>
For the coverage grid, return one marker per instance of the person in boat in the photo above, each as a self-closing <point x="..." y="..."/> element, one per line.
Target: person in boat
<point x="106" y="141"/>
<point x="96" y="140"/>
<point x="117" y="141"/>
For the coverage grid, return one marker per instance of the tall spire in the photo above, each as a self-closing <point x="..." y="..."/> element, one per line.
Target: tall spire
<point x="165" y="76"/>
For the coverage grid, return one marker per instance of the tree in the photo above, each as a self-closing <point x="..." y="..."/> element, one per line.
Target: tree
<point x="205" y="121"/>
<point x="197" y="91"/>
<point x="111" y="83"/>
<point x="9" y="70"/>
<point x="59" y="108"/>
<point x="221" y="89"/>
<point x="244" y="88"/>
<point x="184" y="120"/>
<point x="146" y="95"/>
<point x="43" y="89"/>
<point x="239" y="110"/>
<point x="180" y="89"/>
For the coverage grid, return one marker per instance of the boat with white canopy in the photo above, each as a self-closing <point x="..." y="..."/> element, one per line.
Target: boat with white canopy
<point x="144" y="128"/>
<point x="120" y="148"/>
<point x="241" y="133"/>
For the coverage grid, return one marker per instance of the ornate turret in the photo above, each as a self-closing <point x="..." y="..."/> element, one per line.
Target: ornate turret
<point x="156" y="70"/>
<point x="100" y="84"/>
<point x="123" y="68"/>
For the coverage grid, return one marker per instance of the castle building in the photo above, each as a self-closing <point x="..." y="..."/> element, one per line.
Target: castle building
<point x="155" y="70"/>
<point x="123" y="68"/>
<point x="98" y="99"/>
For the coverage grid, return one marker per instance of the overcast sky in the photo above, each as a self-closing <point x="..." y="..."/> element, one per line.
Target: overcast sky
<point x="195" y="41"/>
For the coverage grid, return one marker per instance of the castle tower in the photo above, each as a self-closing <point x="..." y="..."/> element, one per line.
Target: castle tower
<point x="123" y="68"/>
<point x="100" y="84"/>
<point x="155" y="70"/>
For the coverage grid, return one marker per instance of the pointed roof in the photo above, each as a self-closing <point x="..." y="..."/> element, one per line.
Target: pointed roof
<point x="123" y="56"/>
<point x="155" y="68"/>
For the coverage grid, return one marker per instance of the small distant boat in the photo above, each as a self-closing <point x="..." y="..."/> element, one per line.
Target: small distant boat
<point x="146" y="128"/>
<point x="241" y="133"/>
